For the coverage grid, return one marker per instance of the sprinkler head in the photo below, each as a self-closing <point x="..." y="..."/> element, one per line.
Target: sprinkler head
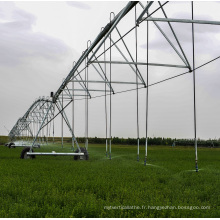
<point x="145" y="162"/>
<point x="197" y="169"/>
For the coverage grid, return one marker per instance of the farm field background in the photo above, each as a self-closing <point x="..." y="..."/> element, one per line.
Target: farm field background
<point x="122" y="187"/>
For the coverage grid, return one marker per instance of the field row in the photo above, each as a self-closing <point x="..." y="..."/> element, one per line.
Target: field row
<point x="122" y="187"/>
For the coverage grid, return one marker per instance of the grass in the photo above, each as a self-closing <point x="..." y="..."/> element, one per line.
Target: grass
<point x="61" y="187"/>
<point x="3" y="140"/>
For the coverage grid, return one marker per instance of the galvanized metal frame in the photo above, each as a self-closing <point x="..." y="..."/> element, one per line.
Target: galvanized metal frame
<point x="42" y="112"/>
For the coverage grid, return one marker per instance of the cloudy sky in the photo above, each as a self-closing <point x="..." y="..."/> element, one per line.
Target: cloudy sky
<point x="40" y="40"/>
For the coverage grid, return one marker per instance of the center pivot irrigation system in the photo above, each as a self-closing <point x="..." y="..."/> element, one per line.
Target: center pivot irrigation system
<point x="33" y="129"/>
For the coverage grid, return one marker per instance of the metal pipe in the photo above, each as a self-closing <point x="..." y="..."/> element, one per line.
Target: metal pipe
<point x="84" y="85"/>
<point x="141" y="63"/>
<point x="87" y="104"/>
<point x="91" y="90"/>
<point x="54" y="154"/>
<point x="132" y="29"/>
<point x="194" y="94"/>
<point x="73" y="112"/>
<point x="137" y="97"/>
<point x="114" y="23"/>
<point x="62" y="121"/>
<point x="182" y="21"/>
<point x="175" y="37"/>
<point x="67" y="123"/>
<point x="144" y="11"/>
<point x="127" y="62"/>
<point x="94" y="81"/>
<point x="105" y="33"/>
<point x="67" y="97"/>
<point x="110" y="106"/>
<point x="147" y="94"/>
<point x="168" y="40"/>
<point x="86" y="101"/>
<point x="104" y="78"/>
<point x="41" y="126"/>
<point x="106" y="112"/>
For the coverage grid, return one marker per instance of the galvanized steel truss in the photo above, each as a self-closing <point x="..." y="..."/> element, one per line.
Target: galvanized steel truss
<point x="80" y="83"/>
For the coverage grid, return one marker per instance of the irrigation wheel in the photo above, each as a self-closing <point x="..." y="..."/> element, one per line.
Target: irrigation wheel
<point x="84" y="157"/>
<point x="24" y="154"/>
<point x="11" y="145"/>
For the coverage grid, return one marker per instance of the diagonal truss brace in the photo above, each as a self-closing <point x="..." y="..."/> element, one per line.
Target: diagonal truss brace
<point x="175" y="36"/>
<point x="67" y="123"/>
<point x="41" y="126"/>
<point x="168" y="40"/>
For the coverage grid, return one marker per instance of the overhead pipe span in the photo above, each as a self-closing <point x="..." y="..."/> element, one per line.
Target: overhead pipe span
<point x="100" y="36"/>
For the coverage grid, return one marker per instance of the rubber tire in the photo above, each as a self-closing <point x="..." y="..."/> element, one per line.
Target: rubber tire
<point x="11" y="145"/>
<point x="84" y="157"/>
<point x="24" y="154"/>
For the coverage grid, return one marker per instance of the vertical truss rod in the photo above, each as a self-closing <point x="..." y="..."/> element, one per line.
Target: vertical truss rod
<point x="53" y="128"/>
<point x="110" y="110"/>
<point x="147" y="90"/>
<point x="47" y="132"/>
<point x="86" y="100"/>
<point x="73" y="113"/>
<point x="62" y="120"/>
<point x="137" y="85"/>
<point x="106" y="115"/>
<point x="194" y="93"/>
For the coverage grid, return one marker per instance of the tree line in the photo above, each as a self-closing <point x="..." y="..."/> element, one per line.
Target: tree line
<point x="155" y="141"/>
<point x="133" y="141"/>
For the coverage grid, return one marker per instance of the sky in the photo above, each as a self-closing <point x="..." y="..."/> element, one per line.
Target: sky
<point x="40" y="40"/>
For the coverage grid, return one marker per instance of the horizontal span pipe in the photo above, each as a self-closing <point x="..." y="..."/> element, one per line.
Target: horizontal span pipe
<point x="92" y="81"/>
<point x="91" y="90"/>
<point x="54" y="154"/>
<point x="35" y="146"/>
<point x="182" y="21"/>
<point x="139" y="63"/>
<point x="100" y="37"/>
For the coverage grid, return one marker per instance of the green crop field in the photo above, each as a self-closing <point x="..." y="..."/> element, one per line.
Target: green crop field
<point x="122" y="187"/>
